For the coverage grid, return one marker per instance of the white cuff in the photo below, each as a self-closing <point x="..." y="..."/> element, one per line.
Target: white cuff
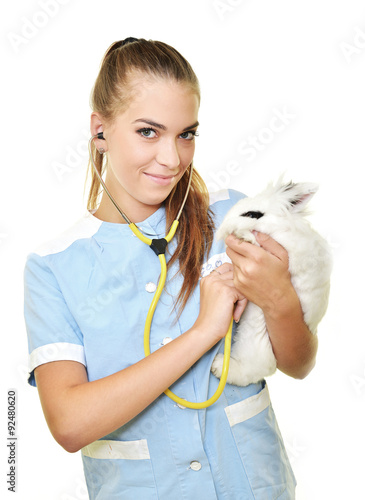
<point x="59" y="351"/>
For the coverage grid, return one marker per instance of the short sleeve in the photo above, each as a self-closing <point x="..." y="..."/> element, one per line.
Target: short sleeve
<point x="53" y="334"/>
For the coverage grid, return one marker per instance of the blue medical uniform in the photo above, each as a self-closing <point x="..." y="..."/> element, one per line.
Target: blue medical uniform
<point x="86" y="299"/>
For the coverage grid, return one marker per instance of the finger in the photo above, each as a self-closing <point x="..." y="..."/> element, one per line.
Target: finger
<point x="227" y="276"/>
<point x="245" y="249"/>
<point x="270" y="245"/>
<point x="224" y="268"/>
<point x="239" y="309"/>
<point x="240" y="254"/>
<point x="241" y="247"/>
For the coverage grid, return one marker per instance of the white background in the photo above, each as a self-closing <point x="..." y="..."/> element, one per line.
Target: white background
<point x="253" y="59"/>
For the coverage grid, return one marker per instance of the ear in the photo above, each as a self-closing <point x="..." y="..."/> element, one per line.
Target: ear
<point x="96" y="123"/>
<point x="299" y="194"/>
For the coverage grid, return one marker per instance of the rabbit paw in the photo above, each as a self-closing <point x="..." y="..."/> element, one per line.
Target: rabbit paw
<point x="234" y="372"/>
<point x="217" y="366"/>
<point x="238" y="374"/>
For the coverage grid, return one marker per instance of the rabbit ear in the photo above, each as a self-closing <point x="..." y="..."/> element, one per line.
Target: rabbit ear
<point x="299" y="194"/>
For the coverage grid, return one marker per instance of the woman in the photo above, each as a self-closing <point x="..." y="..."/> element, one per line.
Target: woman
<point x="88" y="293"/>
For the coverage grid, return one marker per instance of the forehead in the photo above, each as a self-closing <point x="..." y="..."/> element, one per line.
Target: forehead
<point x="164" y="101"/>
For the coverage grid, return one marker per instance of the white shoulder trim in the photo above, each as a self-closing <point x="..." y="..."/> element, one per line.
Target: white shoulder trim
<point x="85" y="227"/>
<point x="221" y="195"/>
<point x="59" y="351"/>
<point x="127" y="450"/>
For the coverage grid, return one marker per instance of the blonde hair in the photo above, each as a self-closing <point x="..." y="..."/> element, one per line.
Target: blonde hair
<point x="111" y="95"/>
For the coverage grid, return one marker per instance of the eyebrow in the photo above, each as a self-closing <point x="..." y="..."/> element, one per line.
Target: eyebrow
<point x="163" y="127"/>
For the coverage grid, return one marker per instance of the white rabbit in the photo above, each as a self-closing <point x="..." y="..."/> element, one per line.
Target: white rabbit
<point x="278" y="211"/>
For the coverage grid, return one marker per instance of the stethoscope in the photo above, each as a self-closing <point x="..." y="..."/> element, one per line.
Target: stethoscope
<point x="159" y="247"/>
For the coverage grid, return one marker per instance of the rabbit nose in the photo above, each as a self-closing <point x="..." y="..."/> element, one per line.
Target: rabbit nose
<point x="253" y="215"/>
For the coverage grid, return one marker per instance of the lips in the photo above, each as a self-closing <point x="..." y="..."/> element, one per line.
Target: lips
<point x="162" y="180"/>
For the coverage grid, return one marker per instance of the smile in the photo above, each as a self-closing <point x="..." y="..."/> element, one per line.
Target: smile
<point x="162" y="180"/>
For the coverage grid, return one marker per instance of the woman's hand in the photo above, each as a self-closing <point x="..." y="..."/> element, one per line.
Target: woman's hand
<point x="219" y="299"/>
<point x="261" y="273"/>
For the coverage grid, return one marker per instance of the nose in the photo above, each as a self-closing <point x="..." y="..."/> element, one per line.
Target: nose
<point x="168" y="154"/>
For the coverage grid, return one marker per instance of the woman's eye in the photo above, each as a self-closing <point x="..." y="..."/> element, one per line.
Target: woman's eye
<point x="149" y="133"/>
<point x="189" y="135"/>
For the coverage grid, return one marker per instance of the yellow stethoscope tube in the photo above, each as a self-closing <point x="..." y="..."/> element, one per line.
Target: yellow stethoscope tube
<point x="151" y="311"/>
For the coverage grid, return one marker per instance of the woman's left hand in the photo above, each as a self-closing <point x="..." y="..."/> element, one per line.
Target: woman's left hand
<point x="261" y="273"/>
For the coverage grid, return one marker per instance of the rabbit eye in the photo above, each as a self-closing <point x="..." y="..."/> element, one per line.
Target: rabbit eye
<point x="253" y="215"/>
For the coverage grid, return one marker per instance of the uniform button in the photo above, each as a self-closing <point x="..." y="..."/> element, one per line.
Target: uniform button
<point x="195" y="465"/>
<point x="150" y="287"/>
<point x="166" y="340"/>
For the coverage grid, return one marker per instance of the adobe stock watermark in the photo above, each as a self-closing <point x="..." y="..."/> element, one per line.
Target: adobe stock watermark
<point x="358" y="382"/>
<point x="75" y="157"/>
<point x="3" y="237"/>
<point x="30" y="27"/>
<point x="81" y="492"/>
<point x="294" y="449"/>
<point x="355" y="47"/>
<point x="250" y="147"/>
<point x="294" y="452"/>
<point x="95" y="304"/>
<point x="224" y="7"/>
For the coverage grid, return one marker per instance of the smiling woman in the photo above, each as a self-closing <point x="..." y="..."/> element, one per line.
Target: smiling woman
<point x="87" y="295"/>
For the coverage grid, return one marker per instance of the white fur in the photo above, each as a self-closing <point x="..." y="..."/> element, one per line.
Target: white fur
<point x="310" y="264"/>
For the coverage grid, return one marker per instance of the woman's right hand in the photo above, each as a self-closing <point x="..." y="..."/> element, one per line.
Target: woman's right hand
<point x="219" y="299"/>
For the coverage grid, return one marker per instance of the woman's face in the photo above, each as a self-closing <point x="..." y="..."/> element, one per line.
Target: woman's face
<point x="150" y="145"/>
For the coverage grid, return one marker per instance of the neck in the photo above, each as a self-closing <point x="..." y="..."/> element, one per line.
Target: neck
<point x="108" y="213"/>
